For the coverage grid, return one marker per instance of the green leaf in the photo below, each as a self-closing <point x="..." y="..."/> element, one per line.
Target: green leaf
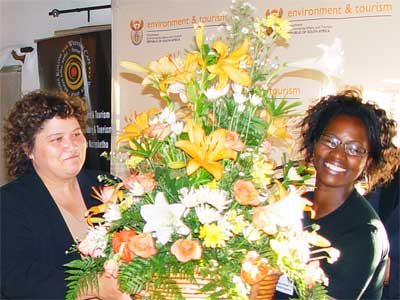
<point x="191" y="91"/>
<point x="84" y="276"/>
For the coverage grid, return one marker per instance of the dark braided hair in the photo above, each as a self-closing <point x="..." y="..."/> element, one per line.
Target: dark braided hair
<point x="381" y="131"/>
<point x="26" y="119"/>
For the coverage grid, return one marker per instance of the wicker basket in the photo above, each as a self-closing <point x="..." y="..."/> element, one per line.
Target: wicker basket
<point x="189" y="290"/>
<point x="264" y="290"/>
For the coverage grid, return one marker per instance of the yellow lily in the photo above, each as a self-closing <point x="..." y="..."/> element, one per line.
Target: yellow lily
<point x="134" y="67"/>
<point x="205" y="151"/>
<point x="184" y="74"/>
<point x="164" y="72"/>
<point x="137" y="127"/>
<point x="229" y="66"/>
<point x="167" y="70"/>
<point x="278" y="128"/>
<point x="163" y="67"/>
<point x="199" y="28"/>
<point x="177" y="71"/>
<point x="161" y="71"/>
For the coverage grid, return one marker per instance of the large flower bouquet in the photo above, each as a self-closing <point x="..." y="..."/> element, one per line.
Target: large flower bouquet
<point x="204" y="198"/>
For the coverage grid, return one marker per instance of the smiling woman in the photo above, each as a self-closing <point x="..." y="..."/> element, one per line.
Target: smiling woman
<point x="43" y="209"/>
<point x="346" y="140"/>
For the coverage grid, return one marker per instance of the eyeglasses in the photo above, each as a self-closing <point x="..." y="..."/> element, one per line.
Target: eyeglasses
<point x="350" y="148"/>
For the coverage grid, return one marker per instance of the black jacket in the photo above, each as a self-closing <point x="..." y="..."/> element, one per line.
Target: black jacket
<point x="35" y="238"/>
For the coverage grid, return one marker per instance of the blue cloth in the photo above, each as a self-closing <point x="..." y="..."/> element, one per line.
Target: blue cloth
<point x="385" y="199"/>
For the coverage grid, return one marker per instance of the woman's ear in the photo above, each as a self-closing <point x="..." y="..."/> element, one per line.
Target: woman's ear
<point x="367" y="163"/>
<point x="27" y="151"/>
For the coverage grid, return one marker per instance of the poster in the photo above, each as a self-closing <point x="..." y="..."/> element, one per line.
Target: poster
<point x="61" y="67"/>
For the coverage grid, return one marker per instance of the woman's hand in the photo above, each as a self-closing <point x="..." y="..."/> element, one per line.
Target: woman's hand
<point x="108" y="290"/>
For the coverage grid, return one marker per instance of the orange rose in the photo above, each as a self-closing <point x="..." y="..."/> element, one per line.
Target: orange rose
<point x="245" y="193"/>
<point x="147" y="181"/>
<point x="186" y="250"/>
<point x="138" y="184"/>
<point x="120" y="243"/>
<point x="143" y="246"/>
<point x="254" y="268"/>
<point x="232" y="141"/>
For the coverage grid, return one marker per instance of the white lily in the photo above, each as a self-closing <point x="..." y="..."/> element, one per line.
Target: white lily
<point x="293" y="175"/>
<point x="163" y="219"/>
<point x="213" y="93"/>
<point x="255" y="100"/>
<point x="178" y="88"/>
<point x="330" y="62"/>
<point x="288" y="212"/>
<point x="167" y="115"/>
<point x="237" y="88"/>
<point x="177" y="128"/>
<point x="239" y="98"/>
<point x="296" y="247"/>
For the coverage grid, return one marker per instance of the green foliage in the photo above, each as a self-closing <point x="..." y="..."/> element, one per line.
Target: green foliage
<point x="316" y="292"/>
<point x="82" y="276"/>
<point x="133" y="276"/>
<point x="130" y="218"/>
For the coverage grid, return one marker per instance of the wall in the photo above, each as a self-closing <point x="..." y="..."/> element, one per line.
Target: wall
<point x="24" y="21"/>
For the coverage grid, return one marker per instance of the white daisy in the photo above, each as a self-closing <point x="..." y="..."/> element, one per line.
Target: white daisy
<point x="207" y="214"/>
<point x="112" y="213"/>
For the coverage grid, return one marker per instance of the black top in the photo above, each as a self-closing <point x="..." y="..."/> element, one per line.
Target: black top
<point x="356" y="231"/>
<point x="34" y="238"/>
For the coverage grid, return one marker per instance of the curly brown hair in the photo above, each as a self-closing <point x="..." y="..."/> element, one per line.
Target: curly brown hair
<point x="381" y="131"/>
<point x="26" y="119"/>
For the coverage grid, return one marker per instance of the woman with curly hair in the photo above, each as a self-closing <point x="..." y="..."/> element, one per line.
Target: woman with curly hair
<point x="348" y="140"/>
<point x="43" y="209"/>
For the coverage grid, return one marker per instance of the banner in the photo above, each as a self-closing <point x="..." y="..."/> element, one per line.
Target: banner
<point x="80" y="65"/>
<point x="333" y="44"/>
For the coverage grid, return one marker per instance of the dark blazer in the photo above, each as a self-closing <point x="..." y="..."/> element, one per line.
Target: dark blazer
<point x="35" y="238"/>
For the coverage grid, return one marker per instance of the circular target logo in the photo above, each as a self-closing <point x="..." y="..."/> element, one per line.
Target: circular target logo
<point x="70" y="73"/>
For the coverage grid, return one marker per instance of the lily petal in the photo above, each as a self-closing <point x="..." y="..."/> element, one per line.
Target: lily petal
<point x="132" y="66"/>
